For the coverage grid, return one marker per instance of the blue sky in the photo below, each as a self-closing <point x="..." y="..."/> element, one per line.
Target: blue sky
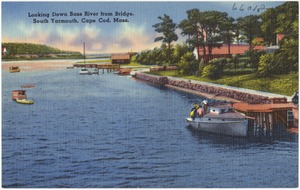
<point x="106" y="37"/>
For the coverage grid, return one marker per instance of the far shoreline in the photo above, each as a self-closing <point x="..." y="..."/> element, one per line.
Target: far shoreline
<point x="39" y="65"/>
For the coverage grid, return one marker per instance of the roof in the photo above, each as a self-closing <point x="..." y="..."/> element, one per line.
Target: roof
<point x="245" y="107"/>
<point x="120" y="56"/>
<point x="234" y="49"/>
<point x="280" y="36"/>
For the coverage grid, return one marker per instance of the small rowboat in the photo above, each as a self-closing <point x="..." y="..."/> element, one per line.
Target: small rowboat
<point x="24" y="101"/>
<point x="28" y="86"/>
<point x="14" y="69"/>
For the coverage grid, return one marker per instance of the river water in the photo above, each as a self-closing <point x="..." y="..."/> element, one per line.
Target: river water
<point x="109" y="131"/>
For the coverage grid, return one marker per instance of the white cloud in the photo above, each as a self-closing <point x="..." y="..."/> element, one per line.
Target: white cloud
<point x="123" y="38"/>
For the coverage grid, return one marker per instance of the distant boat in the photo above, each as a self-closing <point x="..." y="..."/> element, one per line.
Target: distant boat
<point x="24" y="101"/>
<point x="85" y="71"/>
<point x="28" y="86"/>
<point x="133" y="73"/>
<point x="221" y="119"/>
<point x="14" y="69"/>
<point x="124" y="72"/>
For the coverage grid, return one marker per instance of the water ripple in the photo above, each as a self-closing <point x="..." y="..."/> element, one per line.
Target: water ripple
<point x="116" y="132"/>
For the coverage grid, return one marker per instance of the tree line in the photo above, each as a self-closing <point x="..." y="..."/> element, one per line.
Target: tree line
<point x="206" y="30"/>
<point x="29" y="49"/>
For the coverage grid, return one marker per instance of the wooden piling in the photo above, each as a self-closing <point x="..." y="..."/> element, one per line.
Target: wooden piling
<point x="266" y="115"/>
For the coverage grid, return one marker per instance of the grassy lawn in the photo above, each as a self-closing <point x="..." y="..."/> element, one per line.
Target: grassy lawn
<point x="134" y="65"/>
<point x="279" y="84"/>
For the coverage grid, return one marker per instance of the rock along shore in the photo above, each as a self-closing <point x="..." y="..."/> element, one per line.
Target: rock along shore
<point x="210" y="90"/>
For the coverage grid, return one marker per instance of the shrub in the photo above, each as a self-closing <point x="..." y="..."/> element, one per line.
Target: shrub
<point x="253" y="57"/>
<point x="201" y="67"/>
<point x="210" y="71"/>
<point x="267" y="65"/>
<point x="215" y="68"/>
<point x="188" y="64"/>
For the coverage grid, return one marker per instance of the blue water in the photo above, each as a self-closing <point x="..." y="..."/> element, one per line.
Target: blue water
<point x="110" y="131"/>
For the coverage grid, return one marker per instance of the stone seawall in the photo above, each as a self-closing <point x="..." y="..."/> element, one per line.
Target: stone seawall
<point x="205" y="88"/>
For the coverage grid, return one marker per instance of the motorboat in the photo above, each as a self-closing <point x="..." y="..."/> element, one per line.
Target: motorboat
<point x="221" y="119"/>
<point x="14" y="69"/>
<point x="24" y="101"/>
<point x="85" y="71"/>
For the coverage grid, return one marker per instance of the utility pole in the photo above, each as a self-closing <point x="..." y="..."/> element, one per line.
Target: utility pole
<point x="84" y="52"/>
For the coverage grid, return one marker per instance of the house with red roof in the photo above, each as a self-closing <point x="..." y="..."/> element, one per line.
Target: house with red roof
<point x="237" y="49"/>
<point x="224" y="52"/>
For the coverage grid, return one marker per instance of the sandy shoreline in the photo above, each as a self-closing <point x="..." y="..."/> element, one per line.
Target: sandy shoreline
<point x="38" y="65"/>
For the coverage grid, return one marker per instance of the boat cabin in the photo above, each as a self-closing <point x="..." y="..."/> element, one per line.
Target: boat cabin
<point x="19" y="94"/>
<point x="221" y="110"/>
<point x="218" y="108"/>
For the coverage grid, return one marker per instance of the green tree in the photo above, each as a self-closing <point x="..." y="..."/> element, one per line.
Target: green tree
<point x="187" y="64"/>
<point x="250" y="27"/>
<point x="204" y="29"/>
<point x="228" y="32"/>
<point x="167" y="28"/>
<point x="269" y="26"/>
<point x="213" y="24"/>
<point x="191" y="27"/>
<point x="289" y="26"/>
<point x="179" y="51"/>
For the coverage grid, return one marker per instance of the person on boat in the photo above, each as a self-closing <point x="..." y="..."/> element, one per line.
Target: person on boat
<point x="204" y="104"/>
<point x="194" y="111"/>
<point x="200" y="111"/>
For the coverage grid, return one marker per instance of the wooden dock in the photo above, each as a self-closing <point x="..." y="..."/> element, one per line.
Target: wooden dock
<point x="107" y="67"/>
<point x="266" y="116"/>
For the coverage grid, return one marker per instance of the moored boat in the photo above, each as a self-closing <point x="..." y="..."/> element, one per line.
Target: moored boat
<point x="133" y="73"/>
<point x="221" y="119"/>
<point x="14" y="69"/>
<point x="18" y="94"/>
<point x="95" y="71"/>
<point x="124" y="71"/>
<point x="24" y="101"/>
<point x="28" y="86"/>
<point x="84" y="71"/>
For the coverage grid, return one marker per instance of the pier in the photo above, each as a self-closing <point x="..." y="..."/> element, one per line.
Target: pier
<point x="266" y="116"/>
<point x="107" y="67"/>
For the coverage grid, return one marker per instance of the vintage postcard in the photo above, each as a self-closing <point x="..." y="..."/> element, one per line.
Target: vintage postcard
<point x="150" y="94"/>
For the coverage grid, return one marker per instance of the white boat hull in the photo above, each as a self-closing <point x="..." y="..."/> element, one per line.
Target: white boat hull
<point x="234" y="127"/>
